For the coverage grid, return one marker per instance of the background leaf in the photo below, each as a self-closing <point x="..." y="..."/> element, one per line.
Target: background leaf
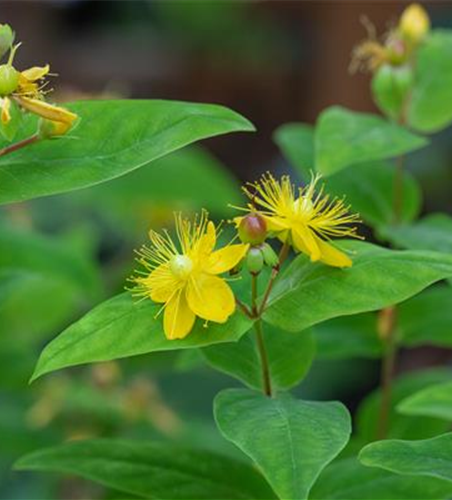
<point x="378" y="278"/>
<point x="427" y="457"/>
<point x="290" y="440"/>
<point x="344" y="138"/>
<point x="433" y="232"/>
<point x="348" y="337"/>
<point x="296" y="141"/>
<point x="433" y="401"/>
<point x="122" y="327"/>
<point x="347" y="478"/>
<point x="290" y="356"/>
<point x="152" y="470"/>
<point x="402" y="426"/>
<point x="112" y="139"/>
<point x="369" y="190"/>
<point x="430" y="107"/>
<point x="427" y="318"/>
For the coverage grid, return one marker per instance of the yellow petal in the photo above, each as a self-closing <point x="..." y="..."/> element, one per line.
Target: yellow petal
<point x="276" y="224"/>
<point x="178" y="319"/>
<point x="35" y="73"/>
<point x="46" y="110"/>
<point x="414" y="22"/>
<point x="225" y="259"/>
<point x="207" y="242"/>
<point x="332" y="256"/>
<point x="161" y="283"/>
<point x="6" y="114"/>
<point x="210" y="298"/>
<point x="305" y="241"/>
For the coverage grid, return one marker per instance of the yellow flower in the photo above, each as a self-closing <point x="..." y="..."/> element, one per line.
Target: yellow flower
<point x="26" y="88"/>
<point x="184" y="276"/>
<point x="414" y="23"/>
<point x="305" y="219"/>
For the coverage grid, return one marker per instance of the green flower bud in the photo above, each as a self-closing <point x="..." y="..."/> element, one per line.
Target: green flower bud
<point x="270" y="257"/>
<point x="254" y="260"/>
<point x="9" y="80"/>
<point x="390" y="87"/>
<point x="6" y="39"/>
<point x="253" y="229"/>
<point x="396" y="51"/>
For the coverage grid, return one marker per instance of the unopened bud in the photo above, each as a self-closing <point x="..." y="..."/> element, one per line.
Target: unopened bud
<point x="252" y="229"/>
<point x="9" y="80"/>
<point x="6" y="39"/>
<point x="390" y="87"/>
<point x="270" y="257"/>
<point x="254" y="260"/>
<point x="414" y="23"/>
<point x="396" y="51"/>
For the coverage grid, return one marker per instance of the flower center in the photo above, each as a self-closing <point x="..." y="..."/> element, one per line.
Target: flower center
<point x="181" y="266"/>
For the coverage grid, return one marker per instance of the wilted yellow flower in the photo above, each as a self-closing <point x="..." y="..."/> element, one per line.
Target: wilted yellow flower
<point x="414" y="23"/>
<point x="305" y="219"/>
<point x="26" y="88"/>
<point x="184" y="275"/>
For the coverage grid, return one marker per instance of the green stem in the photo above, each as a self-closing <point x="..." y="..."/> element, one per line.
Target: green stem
<point x="265" y="366"/>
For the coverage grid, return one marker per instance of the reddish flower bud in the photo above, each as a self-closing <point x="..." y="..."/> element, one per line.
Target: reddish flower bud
<point x="253" y="229"/>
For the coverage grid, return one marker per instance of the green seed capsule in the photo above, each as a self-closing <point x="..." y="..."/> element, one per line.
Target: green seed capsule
<point x="254" y="260"/>
<point x="9" y="80"/>
<point x="385" y="91"/>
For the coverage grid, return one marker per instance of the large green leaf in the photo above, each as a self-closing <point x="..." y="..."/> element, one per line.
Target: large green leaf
<point x="122" y="327"/>
<point x="290" y="356"/>
<point x="430" y="107"/>
<point x="344" y="138"/>
<point x="308" y="293"/>
<point x="152" y="192"/>
<point x="427" y="318"/>
<point x="369" y="190"/>
<point x="348" y="337"/>
<point x="112" y="139"/>
<point x="348" y="479"/>
<point x="402" y="426"/>
<point x="296" y="141"/>
<point x="427" y="457"/>
<point x="433" y="232"/>
<point x="290" y="440"/>
<point x="152" y="470"/>
<point x="432" y="401"/>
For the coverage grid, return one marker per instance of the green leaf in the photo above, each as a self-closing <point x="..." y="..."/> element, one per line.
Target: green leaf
<point x="122" y="327"/>
<point x="433" y="232"/>
<point x="401" y="426"/>
<point x="296" y="141"/>
<point x="427" y="457"/>
<point x="112" y="139"/>
<point x="35" y="253"/>
<point x="290" y="356"/>
<point x="152" y="470"/>
<point x="432" y="401"/>
<point x="290" y="440"/>
<point x="344" y="138"/>
<point x="369" y="189"/>
<point x="426" y="319"/>
<point x="348" y="337"/>
<point x="349" y="479"/>
<point x="430" y="107"/>
<point x="202" y="182"/>
<point x="378" y="278"/>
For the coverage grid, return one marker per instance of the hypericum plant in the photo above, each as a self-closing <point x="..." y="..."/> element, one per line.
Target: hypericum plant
<point x="327" y="299"/>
